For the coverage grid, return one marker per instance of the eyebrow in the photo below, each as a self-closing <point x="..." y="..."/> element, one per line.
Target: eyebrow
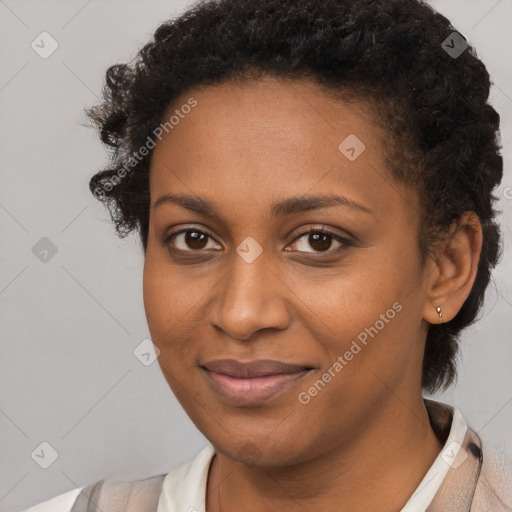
<point x="288" y="206"/>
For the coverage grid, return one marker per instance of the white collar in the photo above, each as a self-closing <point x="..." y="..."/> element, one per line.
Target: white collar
<point x="184" y="489"/>
<point x="425" y="492"/>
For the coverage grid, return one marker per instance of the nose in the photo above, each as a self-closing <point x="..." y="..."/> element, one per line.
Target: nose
<point x="251" y="297"/>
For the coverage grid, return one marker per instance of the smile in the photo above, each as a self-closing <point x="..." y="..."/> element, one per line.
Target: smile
<point x="251" y="384"/>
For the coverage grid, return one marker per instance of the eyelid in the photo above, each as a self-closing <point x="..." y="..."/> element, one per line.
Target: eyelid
<point x="320" y="228"/>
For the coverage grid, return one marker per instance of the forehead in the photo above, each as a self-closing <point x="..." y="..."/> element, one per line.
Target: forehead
<point x="289" y="114"/>
<point x="266" y="138"/>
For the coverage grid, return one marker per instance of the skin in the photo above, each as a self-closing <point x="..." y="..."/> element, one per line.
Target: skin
<point x="244" y="147"/>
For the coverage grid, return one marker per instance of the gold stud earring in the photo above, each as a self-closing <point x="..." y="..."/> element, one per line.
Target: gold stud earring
<point x="440" y="313"/>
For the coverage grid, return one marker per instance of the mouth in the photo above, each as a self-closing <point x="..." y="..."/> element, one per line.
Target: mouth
<point x="251" y="383"/>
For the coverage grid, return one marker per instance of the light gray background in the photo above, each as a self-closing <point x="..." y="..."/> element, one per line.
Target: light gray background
<point x="69" y="326"/>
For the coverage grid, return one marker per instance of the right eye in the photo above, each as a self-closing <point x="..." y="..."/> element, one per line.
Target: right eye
<point x="189" y="240"/>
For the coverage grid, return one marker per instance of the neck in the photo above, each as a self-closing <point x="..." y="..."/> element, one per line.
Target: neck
<point x="376" y="471"/>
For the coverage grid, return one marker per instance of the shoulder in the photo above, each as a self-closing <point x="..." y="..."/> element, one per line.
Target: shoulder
<point x="494" y="487"/>
<point x="61" y="503"/>
<point x="117" y="492"/>
<point x="111" y="491"/>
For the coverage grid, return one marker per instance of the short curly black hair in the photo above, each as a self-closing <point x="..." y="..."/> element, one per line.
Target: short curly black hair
<point x="394" y="53"/>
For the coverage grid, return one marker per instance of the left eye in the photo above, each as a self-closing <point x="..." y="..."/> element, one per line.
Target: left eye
<point x="320" y="241"/>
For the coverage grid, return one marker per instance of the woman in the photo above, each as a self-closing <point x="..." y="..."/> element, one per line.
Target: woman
<point x="312" y="185"/>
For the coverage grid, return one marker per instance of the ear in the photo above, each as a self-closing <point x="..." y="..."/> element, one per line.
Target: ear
<point x="454" y="269"/>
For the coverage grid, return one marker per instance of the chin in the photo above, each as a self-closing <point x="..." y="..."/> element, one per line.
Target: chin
<point x="261" y="450"/>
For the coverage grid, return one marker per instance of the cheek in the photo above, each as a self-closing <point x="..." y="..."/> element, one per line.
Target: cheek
<point x="169" y="297"/>
<point x="176" y="306"/>
<point x="166" y="304"/>
<point x="169" y="309"/>
<point x="370" y="317"/>
<point x="367" y="360"/>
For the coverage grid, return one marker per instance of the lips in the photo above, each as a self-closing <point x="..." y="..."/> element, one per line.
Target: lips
<point x="251" y="384"/>
<point x="260" y="368"/>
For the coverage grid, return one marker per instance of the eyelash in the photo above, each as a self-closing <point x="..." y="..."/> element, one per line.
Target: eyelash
<point x="345" y="242"/>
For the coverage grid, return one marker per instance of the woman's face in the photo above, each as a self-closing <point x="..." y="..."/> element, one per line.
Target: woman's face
<point x="247" y="279"/>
